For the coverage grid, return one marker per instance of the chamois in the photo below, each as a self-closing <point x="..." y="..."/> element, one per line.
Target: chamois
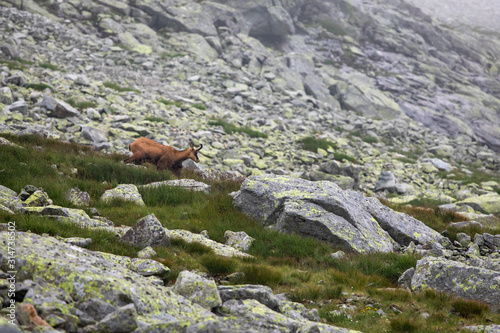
<point x="164" y="157"/>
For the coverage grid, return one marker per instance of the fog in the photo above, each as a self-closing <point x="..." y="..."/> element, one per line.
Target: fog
<point x="480" y="13"/>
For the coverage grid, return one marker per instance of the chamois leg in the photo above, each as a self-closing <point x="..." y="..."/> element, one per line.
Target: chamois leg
<point x="176" y="170"/>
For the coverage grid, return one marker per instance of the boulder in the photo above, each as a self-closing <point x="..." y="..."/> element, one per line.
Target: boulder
<point x="439" y="163"/>
<point x="10" y="200"/>
<point x="148" y="267"/>
<point x="146" y="253"/>
<point x="239" y="240"/>
<point x="125" y="192"/>
<point x="487" y="203"/>
<point x="262" y="294"/>
<point x="38" y="198"/>
<point x="324" y="211"/>
<point x="78" y="197"/>
<point x="386" y="181"/>
<point x="200" y="290"/>
<point x="458" y="279"/>
<point x="93" y="134"/>
<point x="148" y="231"/>
<point x="64" y="110"/>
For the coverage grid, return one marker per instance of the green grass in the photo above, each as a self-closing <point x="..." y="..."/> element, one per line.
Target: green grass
<point x="301" y="267"/>
<point x="341" y="156"/>
<point x="49" y="66"/>
<point x="312" y="143"/>
<point x="168" y="55"/>
<point x="469" y="308"/>
<point x="230" y="129"/>
<point x="333" y="27"/>
<point x="365" y="137"/>
<point x="169" y="102"/>
<point x="179" y="104"/>
<point x="199" y="106"/>
<point x="13" y="65"/>
<point x="119" y="88"/>
<point x="39" y="86"/>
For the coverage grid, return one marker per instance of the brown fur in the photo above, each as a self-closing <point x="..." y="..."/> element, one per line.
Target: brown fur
<point x="164" y="157"/>
<point x="34" y="317"/>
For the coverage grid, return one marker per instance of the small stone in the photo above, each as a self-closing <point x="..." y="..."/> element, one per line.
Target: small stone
<point x="338" y="255"/>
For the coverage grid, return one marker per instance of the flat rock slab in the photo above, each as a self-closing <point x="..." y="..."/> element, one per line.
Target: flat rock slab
<point x="324" y="211"/>
<point x="188" y="184"/>
<point x="218" y="248"/>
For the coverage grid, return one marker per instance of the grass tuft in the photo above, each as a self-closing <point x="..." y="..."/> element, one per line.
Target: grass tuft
<point x="230" y="128"/>
<point x="312" y="144"/>
<point x="49" y="66"/>
<point x="39" y="86"/>
<point x="117" y="87"/>
<point x="217" y="265"/>
<point x="469" y="308"/>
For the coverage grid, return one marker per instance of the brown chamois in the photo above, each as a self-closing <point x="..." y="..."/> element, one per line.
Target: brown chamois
<point x="164" y="157"/>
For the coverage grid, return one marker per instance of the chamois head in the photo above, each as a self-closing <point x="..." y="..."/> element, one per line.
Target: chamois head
<point x="194" y="152"/>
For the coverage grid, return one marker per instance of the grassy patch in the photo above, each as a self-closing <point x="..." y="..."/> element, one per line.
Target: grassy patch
<point x="169" y="102"/>
<point x="469" y="308"/>
<point x="333" y="27"/>
<point x="217" y="265"/>
<point x="13" y="65"/>
<point x="341" y="156"/>
<point x="39" y="86"/>
<point x="312" y="144"/>
<point x="168" y="55"/>
<point x="364" y="137"/>
<point x="199" y="106"/>
<point x="117" y="87"/>
<point x="230" y="128"/>
<point x="49" y="66"/>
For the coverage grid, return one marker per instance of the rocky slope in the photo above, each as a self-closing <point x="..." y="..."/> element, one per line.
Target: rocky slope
<point x="384" y="82"/>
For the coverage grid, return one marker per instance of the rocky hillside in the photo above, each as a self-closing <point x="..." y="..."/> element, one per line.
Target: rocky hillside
<point x="481" y="14"/>
<point x="404" y="104"/>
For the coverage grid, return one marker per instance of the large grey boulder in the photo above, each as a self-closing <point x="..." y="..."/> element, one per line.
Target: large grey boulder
<point x="148" y="231"/>
<point x="459" y="279"/>
<point x="324" y="211"/>
<point x="66" y="275"/>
